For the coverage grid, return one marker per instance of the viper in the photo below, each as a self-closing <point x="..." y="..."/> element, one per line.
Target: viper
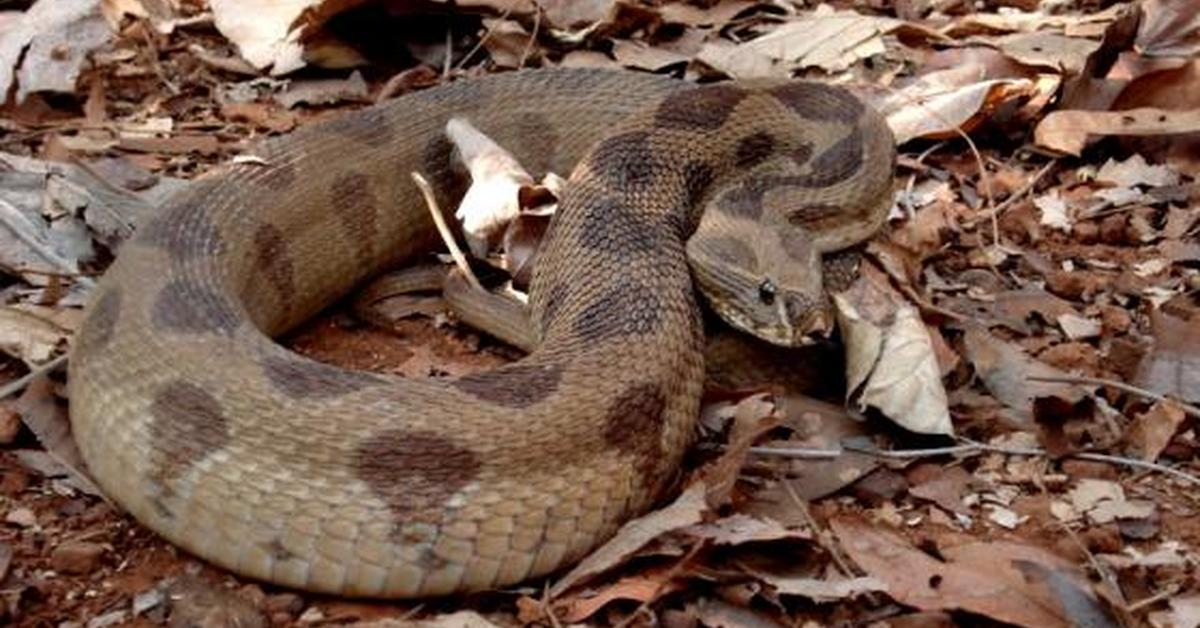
<point x="304" y="474"/>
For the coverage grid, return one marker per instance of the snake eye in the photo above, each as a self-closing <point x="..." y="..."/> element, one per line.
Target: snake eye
<point x="766" y="292"/>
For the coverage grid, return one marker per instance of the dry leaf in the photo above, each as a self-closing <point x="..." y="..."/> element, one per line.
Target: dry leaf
<point x="262" y="30"/>
<point x="1152" y="430"/>
<point x="45" y="48"/>
<point x="1169" y="28"/>
<point x="1068" y="131"/>
<point x="828" y="39"/>
<point x="1054" y="211"/>
<point x="824" y="590"/>
<point x="977" y="577"/>
<point x="325" y="91"/>
<point x="1135" y="171"/>
<point x="741" y="528"/>
<point x="1006" y="372"/>
<point x="493" y="199"/>
<point x="686" y="510"/>
<point x="1046" y="49"/>
<point x="1172" y="367"/>
<point x="47" y="419"/>
<point x="641" y="588"/>
<point x="890" y="361"/>
<point x="941" y="104"/>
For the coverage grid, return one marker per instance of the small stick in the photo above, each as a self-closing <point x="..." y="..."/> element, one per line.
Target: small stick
<point x="18" y="384"/>
<point x="486" y="36"/>
<point x="436" y="212"/>
<point x="537" y="23"/>
<point x="1129" y="388"/>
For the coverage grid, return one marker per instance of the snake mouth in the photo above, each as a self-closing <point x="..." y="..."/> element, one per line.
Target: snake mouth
<point x="815" y="326"/>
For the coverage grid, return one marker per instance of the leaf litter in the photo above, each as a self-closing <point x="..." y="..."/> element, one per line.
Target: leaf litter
<point x="1039" y="426"/>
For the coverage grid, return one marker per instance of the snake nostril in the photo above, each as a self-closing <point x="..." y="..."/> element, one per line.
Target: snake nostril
<point x="766" y="292"/>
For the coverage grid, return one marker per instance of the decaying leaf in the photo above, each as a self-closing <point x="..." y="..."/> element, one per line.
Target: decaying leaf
<point x="1172" y="367"/>
<point x="47" y="419"/>
<point x="1068" y="131"/>
<point x="493" y="199"/>
<point x="981" y="578"/>
<point x="890" y="361"/>
<point x="45" y="48"/>
<point x="942" y="104"/>
<point x="1007" y="372"/>
<point x="1152" y="430"/>
<point x="686" y="510"/>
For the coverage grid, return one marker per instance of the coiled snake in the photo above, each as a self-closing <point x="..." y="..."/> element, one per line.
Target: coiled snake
<point x="307" y="475"/>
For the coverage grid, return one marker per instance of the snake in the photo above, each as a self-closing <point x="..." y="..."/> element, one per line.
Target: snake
<point x="192" y="418"/>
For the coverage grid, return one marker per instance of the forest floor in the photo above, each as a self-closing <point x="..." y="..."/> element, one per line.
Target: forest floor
<point x="1022" y="449"/>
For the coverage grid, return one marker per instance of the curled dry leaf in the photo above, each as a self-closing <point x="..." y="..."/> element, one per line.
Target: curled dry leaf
<point x="493" y="199"/>
<point x="1006" y="372"/>
<point x="982" y="578"/>
<point x="938" y="104"/>
<point x="890" y="361"/>
<point x="644" y="588"/>
<point x="1068" y="131"/>
<point x="1152" y="430"/>
<point x="686" y="510"/>
<point x="1169" y="28"/>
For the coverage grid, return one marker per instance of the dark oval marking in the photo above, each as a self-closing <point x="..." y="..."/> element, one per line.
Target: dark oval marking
<point x="514" y="386"/>
<point x="185" y="306"/>
<point x="187" y="425"/>
<point x="616" y="229"/>
<point x="835" y="164"/>
<point x="754" y="149"/>
<point x="415" y="472"/>
<point x="818" y="101"/>
<point x="98" y="329"/>
<point x="305" y="379"/>
<point x="272" y="256"/>
<point x="634" y="425"/>
<point x="626" y="161"/>
<point x="357" y="209"/>
<point x="704" y="108"/>
<point x="627" y="309"/>
<point x="731" y="250"/>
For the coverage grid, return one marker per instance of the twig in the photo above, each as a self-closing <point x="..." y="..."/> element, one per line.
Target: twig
<point x="1025" y="189"/>
<point x="537" y="24"/>
<point x="1129" y="388"/>
<point x="20" y="383"/>
<point x="436" y="212"/>
<point x="970" y="446"/>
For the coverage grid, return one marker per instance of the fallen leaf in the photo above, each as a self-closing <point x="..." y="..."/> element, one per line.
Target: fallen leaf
<point x="945" y="489"/>
<point x="1048" y="49"/>
<point x="740" y="528"/>
<point x="29" y="337"/>
<point x="1185" y="612"/>
<point x="890" y="361"/>
<point x="825" y="38"/>
<point x="1152" y="430"/>
<point x="1135" y="171"/>
<point x="1068" y="131"/>
<point x="47" y="46"/>
<point x="1172" y="366"/>
<point x="1078" y="327"/>
<point x="819" y="590"/>
<point x="717" y="613"/>
<point x="47" y="419"/>
<point x="1006" y="372"/>
<point x="637" y="588"/>
<point x="686" y="510"/>
<point x="1054" y="211"/>
<point x="977" y="577"/>
<point x="1169" y="28"/>
<point x="497" y="179"/>
<point x="942" y="104"/>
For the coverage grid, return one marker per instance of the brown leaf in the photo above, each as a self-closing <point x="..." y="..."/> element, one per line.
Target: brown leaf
<point x="740" y="528"/>
<point x="1068" y="131"/>
<point x="1152" y="430"/>
<point x="643" y="588"/>
<point x="47" y="419"/>
<point x="977" y="577"/>
<point x="942" y="104"/>
<point x="1006" y="372"/>
<point x="1172" y="367"/>
<point x="753" y="416"/>
<point x="687" y="509"/>
<point x="1170" y="28"/>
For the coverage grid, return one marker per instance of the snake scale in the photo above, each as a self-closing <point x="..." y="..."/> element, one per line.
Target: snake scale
<point x="310" y="476"/>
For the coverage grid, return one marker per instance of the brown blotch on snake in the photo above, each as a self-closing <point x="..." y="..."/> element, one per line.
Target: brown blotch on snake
<point x="415" y="472"/>
<point x="634" y="426"/>
<point x="97" y="331"/>
<point x="753" y="149"/>
<point x="626" y="161"/>
<point x="304" y="379"/>
<point x="188" y="424"/>
<point x="515" y="386"/>
<point x="627" y="309"/>
<point x="620" y="234"/>
<point x="356" y="205"/>
<point x="368" y="126"/>
<point x="702" y="110"/>
<point x="273" y="257"/>
<point x="185" y="306"/>
<point x="731" y="249"/>
<point x="820" y="102"/>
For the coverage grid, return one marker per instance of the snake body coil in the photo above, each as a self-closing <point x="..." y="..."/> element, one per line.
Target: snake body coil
<point x="311" y="476"/>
